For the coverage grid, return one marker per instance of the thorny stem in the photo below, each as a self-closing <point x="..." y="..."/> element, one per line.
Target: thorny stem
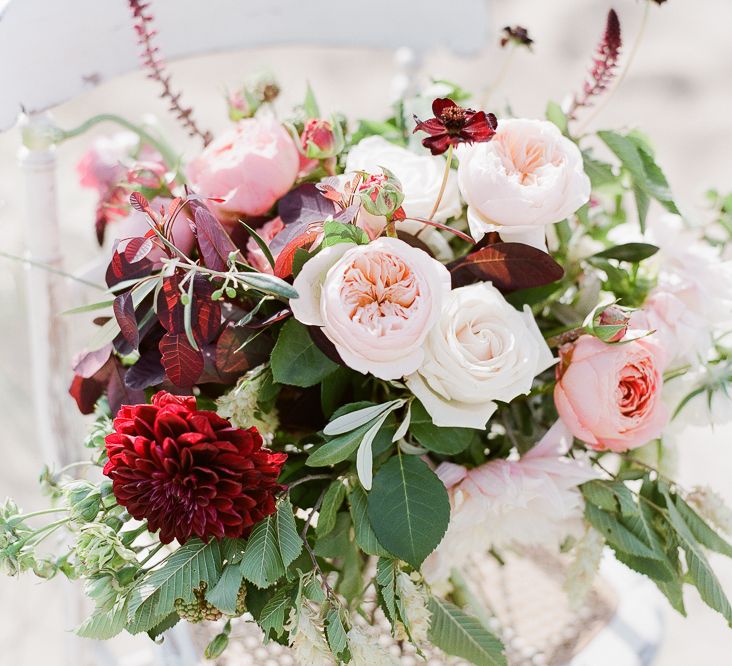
<point x="445" y="175"/>
<point x="624" y="71"/>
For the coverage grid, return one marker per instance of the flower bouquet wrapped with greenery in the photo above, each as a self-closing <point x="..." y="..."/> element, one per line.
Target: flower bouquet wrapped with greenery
<point x="338" y="360"/>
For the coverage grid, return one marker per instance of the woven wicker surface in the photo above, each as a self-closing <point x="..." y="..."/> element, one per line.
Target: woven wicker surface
<point x="524" y="602"/>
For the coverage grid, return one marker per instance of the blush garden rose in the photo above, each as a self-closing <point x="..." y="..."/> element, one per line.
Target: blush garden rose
<point x="526" y="177"/>
<point x="609" y="396"/>
<point x="480" y="351"/>
<point x="375" y="302"/>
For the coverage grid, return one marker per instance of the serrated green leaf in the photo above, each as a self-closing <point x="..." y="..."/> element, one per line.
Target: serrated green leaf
<point x="600" y="173"/>
<point x="616" y="533"/>
<point x="288" y="540"/>
<point x="332" y="501"/>
<point x="262" y="563"/>
<point x="447" y="441"/>
<point x="164" y="625"/>
<point x="338" y="232"/>
<point x="386" y="571"/>
<point x="296" y="360"/>
<point x="610" y="496"/>
<point x="408" y="508"/>
<point x="153" y="597"/>
<point x="338" y="540"/>
<point x="700" y="572"/>
<point x="704" y="534"/>
<point x="275" y="613"/>
<point x="365" y="537"/>
<point x="462" y="635"/>
<point x="223" y="595"/>
<point x="103" y="625"/>
<point x="335" y="632"/>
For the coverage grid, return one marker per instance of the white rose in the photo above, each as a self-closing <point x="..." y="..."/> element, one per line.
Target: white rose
<point x="420" y="175"/>
<point x="526" y="177"/>
<point x="481" y="350"/>
<point x="375" y="302"/>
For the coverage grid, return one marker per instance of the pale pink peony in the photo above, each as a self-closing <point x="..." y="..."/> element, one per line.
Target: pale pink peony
<point x="255" y="256"/>
<point x="375" y="302"/>
<point x="530" y="501"/>
<point x="103" y="165"/>
<point x="249" y="166"/>
<point x="610" y="395"/>
<point x="527" y="177"/>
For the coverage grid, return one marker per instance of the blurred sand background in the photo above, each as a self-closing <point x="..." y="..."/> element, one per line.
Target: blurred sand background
<point x="679" y="92"/>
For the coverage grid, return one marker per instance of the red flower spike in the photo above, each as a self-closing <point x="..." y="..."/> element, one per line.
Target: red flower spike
<point x="453" y="125"/>
<point x="189" y="472"/>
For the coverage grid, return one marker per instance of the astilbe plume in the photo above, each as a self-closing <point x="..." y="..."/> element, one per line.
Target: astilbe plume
<point x="604" y="65"/>
<point x="156" y="71"/>
<point x="189" y="472"/>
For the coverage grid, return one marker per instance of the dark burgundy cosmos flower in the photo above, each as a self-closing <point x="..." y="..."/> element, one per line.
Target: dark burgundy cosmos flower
<point x="516" y="35"/>
<point x="190" y="472"/>
<point x="453" y="124"/>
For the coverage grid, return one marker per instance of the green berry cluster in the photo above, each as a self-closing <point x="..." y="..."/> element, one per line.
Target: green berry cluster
<point x="200" y="610"/>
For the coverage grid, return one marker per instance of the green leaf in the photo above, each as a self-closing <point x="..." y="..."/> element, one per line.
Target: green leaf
<point x="153" y="597"/>
<point x="349" y="419"/>
<point x="103" y="625"/>
<point x="332" y="501"/>
<point x="616" y="533"/>
<point x="261" y="243"/>
<point x="338" y="540"/>
<point x="600" y="173"/>
<point x="164" y="625"/>
<point x="224" y="594"/>
<point x="408" y="508"/>
<point x="447" y="441"/>
<point x="633" y="252"/>
<point x="386" y="571"/>
<point x="288" y="540"/>
<point x="332" y="391"/>
<point x="262" y="563"/>
<point x="310" y="104"/>
<point x="610" y="496"/>
<point x="462" y="635"/>
<point x="365" y="537"/>
<point x="555" y="115"/>
<point x="267" y="284"/>
<point x="296" y="360"/>
<point x="642" y="204"/>
<point x="273" y="616"/>
<point x="335" y="632"/>
<point x="699" y="572"/>
<point x="704" y="534"/>
<point x="89" y="308"/>
<point x="338" y="232"/>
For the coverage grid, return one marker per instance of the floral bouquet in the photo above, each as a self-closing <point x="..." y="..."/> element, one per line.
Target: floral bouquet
<point x="340" y="360"/>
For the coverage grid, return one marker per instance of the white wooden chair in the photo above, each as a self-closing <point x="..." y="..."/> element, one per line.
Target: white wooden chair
<point x="53" y="51"/>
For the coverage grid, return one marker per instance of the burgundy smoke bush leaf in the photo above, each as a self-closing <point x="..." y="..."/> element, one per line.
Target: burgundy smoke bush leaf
<point x="509" y="266"/>
<point x="183" y="364"/>
<point x="137" y="249"/>
<point x="124" y="312"/>
<point x="272" y="319"/>
<point x="283" y="263"/>
<point x="121" y="269"/>
<point x="206" y="315"/>
<point x="148" y="371"/>
<point x="348" y="214"/>
<point x="170" y="309"/>
<point x="305" y="204"/>
<point x="139" y="202"/>
<point x="87" y="363"/>
<point x="231" y="357"/>
<point x="118" y="393"/>
<point x="214" y="243"/>
<point x="87" y="390"/>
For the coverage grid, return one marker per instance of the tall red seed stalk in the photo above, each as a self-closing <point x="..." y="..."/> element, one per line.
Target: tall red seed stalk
<point x="604" y="66"/>
<point x="142" y="23"/>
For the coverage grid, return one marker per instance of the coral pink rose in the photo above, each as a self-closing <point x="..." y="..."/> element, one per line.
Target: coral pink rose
<point x="609" y="396"/>
<point x="375" y="302"/>
<point x="250" y="167"/>
<point x="255" y="256"/>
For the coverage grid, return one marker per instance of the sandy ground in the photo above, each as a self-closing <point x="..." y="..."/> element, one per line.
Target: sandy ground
<point x="679" y="92"/>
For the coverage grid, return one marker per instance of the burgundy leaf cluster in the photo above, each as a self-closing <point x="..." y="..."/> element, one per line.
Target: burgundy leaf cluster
<point x="142" y="23"/>
<point x="604" y="65"/>
<point x="188" y="472"/>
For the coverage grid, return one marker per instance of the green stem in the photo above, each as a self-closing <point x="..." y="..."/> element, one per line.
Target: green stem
<point x="391" y="228"/>
<point x="448" y="162"/>
<point x="79" y="463"/>
<point x="167" y="153"/>
<point x="152" y="554"/>
<point x="50" y="269"/>
<point x="42" y="512"/>
<point x="492" y="87"/>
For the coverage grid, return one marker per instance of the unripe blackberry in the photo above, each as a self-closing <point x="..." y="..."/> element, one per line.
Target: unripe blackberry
<point x="241" y="599"/>
<point x="198" y="609"/>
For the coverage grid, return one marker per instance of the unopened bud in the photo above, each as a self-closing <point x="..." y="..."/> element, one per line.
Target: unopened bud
<point x="382" y="194"/>
<point x="318" y="139"/>
<point x="609" y="324"/>
<point x="217" y="646"/>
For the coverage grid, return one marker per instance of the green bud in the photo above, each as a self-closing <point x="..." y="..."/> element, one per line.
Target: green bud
<point x="231" y="292"/>
<point x="84" y="500"/>
<point x="381" y="195"/>
<point x="216" y="296"/>
<point x="217" y="646"/>
<point x="185" y="299"/>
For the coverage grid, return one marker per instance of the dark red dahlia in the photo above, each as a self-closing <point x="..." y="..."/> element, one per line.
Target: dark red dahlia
<point x="189" y="472"/>
<point x="453" y="124"/>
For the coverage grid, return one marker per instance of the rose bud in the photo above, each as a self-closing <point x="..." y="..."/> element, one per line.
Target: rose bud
<point x="240" y="106"/>
<point x="381" y="194"/>
<point x="609" y="324"/>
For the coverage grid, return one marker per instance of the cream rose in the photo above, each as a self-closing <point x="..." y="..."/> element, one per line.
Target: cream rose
<point x="420" y="175"/>
<point x="526" y="177"/>
<point x="481" y="350"/>
<point x="375" y="302"/>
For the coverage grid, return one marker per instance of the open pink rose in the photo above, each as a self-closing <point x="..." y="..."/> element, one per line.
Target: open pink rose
<point x="250" y="167"/>
<point x="609" y="396"/>
<point x="375" y="302"/>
